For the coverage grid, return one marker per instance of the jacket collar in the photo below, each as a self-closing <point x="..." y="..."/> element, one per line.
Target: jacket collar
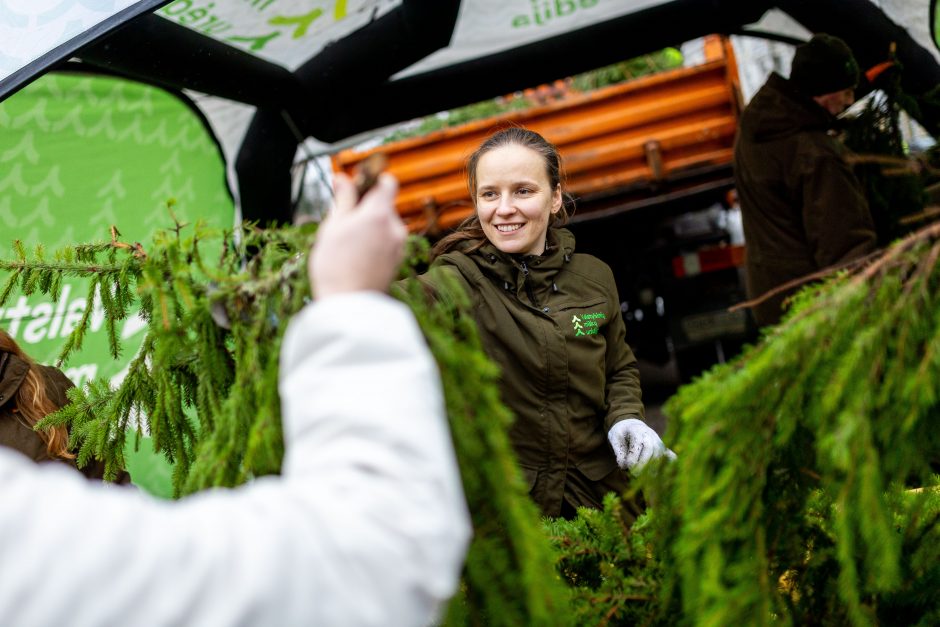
<point x="514" y="269"/>
<point x="780" y="110"/>
<point x="13" y="371"/>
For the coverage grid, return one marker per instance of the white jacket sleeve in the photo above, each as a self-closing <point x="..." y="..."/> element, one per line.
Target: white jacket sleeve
<point x="367" y="525"/>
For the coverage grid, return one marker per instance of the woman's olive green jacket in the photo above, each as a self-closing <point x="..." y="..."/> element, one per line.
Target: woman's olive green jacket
<point x="553" y="325"/>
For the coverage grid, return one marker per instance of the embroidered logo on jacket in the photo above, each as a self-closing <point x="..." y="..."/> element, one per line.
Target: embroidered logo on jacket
<point x="586" y="324"/>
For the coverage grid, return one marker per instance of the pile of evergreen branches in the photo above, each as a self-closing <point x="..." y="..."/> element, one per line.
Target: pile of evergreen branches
<point x="804" y="489"/>
<point x="897" y="181"/>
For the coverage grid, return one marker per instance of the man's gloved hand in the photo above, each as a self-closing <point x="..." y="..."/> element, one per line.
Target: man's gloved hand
<point x="635" y="444"/>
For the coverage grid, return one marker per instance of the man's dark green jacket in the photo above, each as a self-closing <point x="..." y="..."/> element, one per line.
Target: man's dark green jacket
<point x="553" y="325"/>
<point x="802" y="207"/>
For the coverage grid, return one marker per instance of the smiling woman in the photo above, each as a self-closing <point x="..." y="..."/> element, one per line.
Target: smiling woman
<point x="515" y="199"/>
<point x="551" y="320"/>
<point x="522" y="165"/>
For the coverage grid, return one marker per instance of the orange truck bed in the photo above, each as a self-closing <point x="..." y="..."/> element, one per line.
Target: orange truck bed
<point x="639" y="134"/>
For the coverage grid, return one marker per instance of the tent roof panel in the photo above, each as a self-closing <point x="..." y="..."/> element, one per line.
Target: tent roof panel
<point x="283" y="32"/>
<point x="35" y="34"/>
<point x="487" y="27"/>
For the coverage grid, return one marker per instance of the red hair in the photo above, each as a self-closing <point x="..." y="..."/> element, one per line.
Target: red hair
<point x="33" y="403"/>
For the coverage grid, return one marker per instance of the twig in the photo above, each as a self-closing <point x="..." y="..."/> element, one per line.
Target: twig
<point x="926" y="214"/>
<point x="60" y="267"/>
<point x="933" y="488"/>
<point x="136" y="247"/>
<point x="901" y="166"/>
<point x="886" y="256"/>
<point x="811" y="474"/>
<point x="924" y="267"/>
<point x="114" y="238"/>
<point x="367" y="172"/>
<point x="621" y="597"/>
<point x="178" y="226"/>
<point x="901" y="247"/>
<point x="819" y="274"/>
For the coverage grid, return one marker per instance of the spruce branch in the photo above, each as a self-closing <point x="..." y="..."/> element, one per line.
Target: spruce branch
<point x="823" y="422"/>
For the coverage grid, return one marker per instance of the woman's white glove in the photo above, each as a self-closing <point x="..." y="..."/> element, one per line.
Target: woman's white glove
<point x="635" y="444"/>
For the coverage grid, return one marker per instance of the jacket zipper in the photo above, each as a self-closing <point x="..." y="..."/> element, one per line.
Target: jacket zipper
<point x="528" y="286"/>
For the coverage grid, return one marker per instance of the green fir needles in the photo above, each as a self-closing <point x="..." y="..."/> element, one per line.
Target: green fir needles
<point x="204" y="385"/>
<point x="804" y="490"/>
<point x="790" y="501"/>
<point x="179" y="386"/>
<point x="608" y="564"/>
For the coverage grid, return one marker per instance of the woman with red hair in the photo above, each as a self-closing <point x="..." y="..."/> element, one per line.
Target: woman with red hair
<point x="28" y="393"/>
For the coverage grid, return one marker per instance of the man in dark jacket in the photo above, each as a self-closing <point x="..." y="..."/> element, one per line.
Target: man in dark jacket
<point x="802" y="206"/>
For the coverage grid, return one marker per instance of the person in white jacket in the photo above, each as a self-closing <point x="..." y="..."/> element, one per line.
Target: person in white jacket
<point x="367" y="525"/>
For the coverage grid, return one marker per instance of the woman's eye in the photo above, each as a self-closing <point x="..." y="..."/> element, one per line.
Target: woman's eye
<point x="488" y="195"/>
<point x="524" y="191"/>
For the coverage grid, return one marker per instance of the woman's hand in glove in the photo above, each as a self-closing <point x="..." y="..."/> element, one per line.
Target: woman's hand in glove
<point x="635" y="444"/>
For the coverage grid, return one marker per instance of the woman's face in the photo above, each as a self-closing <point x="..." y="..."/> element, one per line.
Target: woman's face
<point x="514" y="199"/>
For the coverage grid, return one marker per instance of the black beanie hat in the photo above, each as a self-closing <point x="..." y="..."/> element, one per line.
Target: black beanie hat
<point x="823" y="65"/>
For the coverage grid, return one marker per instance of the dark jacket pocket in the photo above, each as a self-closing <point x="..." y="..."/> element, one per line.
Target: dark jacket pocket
<point x="597" y="465"/>
<point x="530" y="476"/>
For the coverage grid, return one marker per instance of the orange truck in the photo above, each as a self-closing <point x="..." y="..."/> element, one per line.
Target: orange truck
<point x="649" y="165"/>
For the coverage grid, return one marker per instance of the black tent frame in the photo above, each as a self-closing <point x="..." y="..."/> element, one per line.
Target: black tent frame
<point x="347" y="87"/>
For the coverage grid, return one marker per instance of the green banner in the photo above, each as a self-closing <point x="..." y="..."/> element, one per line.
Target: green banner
<point x="79" y="154"/>
<point x="935" y="22"/>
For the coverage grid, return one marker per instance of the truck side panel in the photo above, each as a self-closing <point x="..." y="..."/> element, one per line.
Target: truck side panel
<point x="647" y="133"/>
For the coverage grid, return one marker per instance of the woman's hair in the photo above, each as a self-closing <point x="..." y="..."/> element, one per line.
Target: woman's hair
<point x="33" y="403"/>
<point x="470" y="229"/>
